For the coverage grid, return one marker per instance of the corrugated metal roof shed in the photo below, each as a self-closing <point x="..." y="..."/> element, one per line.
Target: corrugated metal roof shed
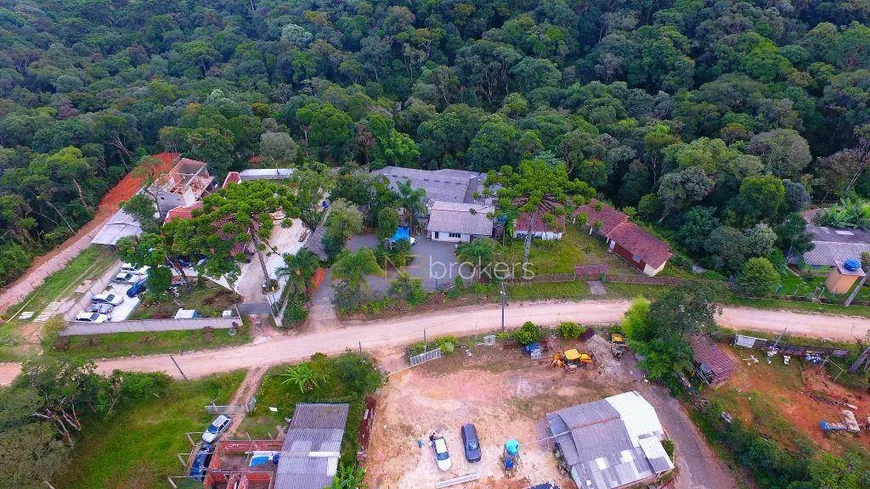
<point x="312" y="446"/>
<point x="611" y="443"/>
<point x="450" y="217"/>
<point x="118" y="226"/>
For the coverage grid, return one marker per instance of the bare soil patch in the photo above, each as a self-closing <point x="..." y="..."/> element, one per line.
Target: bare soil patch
<point x="499" y="389"/>
<point x="803" y="394"/>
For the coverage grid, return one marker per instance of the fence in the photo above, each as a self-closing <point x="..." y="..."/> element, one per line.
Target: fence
<point x="593" y="272"/>
<point x="643" y="279"/>
<point x="232" y="408"/>
<point x="426" y="356"/>
<point x="148" y="325"/>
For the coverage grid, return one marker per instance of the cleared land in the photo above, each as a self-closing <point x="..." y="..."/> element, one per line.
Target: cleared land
<point x="506" y="395"/>
<point x="785" y="401"/>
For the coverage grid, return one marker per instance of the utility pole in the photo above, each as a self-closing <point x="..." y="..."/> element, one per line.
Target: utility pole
<point x="178" y="367"/>
<point x="503" y="303"/>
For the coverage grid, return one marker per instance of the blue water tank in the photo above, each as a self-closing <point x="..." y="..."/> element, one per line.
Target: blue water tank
<point x="852" y="265"/>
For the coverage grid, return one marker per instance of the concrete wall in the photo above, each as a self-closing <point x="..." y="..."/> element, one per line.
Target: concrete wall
<point x="148" y="325"/>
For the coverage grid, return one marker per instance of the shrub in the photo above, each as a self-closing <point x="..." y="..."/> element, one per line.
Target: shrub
<point x="139" y="386"/>
<point x="529" y="333"/>
<point x="295" y="312"/>
<point x="456" y="291"/>
<point x="569" y="330"/>
<point x="668" y="445"/>
<point x="446" y="343"/>
<point x="681" y="262"/>
<point x="758" y="277"/>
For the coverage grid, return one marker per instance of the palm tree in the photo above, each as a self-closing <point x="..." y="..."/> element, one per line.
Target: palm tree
<point x="478" y="252"/>
<point x="303" y="376"/>
<point x="353" y="268"/>
<point x="411" y="199"/>
<point x="299" y="269"/>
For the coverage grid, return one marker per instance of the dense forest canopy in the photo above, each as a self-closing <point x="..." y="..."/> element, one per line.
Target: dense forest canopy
<point x="717" y="119"/>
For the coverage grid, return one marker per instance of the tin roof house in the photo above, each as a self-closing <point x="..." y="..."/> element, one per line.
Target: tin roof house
<point x="611" y="443"/>
<point x="312" y="447"/>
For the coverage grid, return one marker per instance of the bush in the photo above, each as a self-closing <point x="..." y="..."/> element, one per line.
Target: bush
<point x="681" y="262"/>
<point x="569" y="330"/>
<point x="296" y="311"/>
<point x="758" y="277"/>
<point x="456" y="291"/>
<point x="446" y="343"/>
<point x="668" y="445"/>
<point x="138" y="386"/>
<point x="529" y="333"/>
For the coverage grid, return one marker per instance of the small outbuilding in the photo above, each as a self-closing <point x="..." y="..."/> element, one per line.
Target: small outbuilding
<point x="844" y="275"/>
<point x="712" y="364"/>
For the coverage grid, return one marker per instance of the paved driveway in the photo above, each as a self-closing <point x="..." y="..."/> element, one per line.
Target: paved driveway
<point x="434" y="262"/>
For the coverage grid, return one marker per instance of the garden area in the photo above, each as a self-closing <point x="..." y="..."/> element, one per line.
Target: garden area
<point x="346" y="378"/>
<point x="137" y="446"/>
<point x="207" y="298"/>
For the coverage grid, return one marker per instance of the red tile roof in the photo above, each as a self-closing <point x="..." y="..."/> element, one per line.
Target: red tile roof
<point x="610" y="218"/>
<point x="707" y="352"/>
<point x="522" y="224"/>
<point x="637" y="241"/>
<point x="232" y="177"/>
<point x="182" y="211"/>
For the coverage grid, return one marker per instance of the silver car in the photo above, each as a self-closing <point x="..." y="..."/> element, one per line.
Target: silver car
<point x="218" y="426"/>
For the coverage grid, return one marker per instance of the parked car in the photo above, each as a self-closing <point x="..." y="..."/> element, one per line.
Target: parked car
<point x="129" y="267"/>
<point x="199" y="467"/>
<point x="112" y="299"/>
<point x="471" y="443"/>
<point x="100" y="307"/>
<point x="218" y="426"/>
<point x="91" y="317"/>
<point x="126" y="278"/>
<point x="442" y="456"/>
<point x="136" y="289"/>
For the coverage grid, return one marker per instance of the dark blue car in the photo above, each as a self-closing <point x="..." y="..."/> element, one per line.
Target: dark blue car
<point x="471" y="443"/>
<point x="137" y="288"/>
<point x="199" y="467"/>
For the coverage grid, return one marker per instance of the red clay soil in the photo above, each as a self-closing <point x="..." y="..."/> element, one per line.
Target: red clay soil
<point x="791" y="395"/>
<point x="109" y="204"/>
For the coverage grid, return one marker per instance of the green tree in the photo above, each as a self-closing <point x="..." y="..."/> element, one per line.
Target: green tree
<point x="344" y="221"/>
<point x="143" y="209"/>
<point x="408" y="288"/>
<point x="479" y="253"/>
<point x="758" y="277"/>
<point x="352" y="268"/>
<point x="299" y="269"/>
<point x="303" y="376"/>
<point x="387" y="223"/>
<point x="411" y="200"/>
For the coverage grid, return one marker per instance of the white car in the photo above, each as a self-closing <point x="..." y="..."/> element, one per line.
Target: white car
<point x="112" y="299"/>
<point x="129" y="267"/>
<point x="218" y="426"/>
<point x="126" y="278"/>
<point x="91" y="317"/>
<point x="442" y="457"/>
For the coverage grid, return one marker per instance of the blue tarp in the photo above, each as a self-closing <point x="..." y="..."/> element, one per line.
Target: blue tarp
<point x="401" y="233"/>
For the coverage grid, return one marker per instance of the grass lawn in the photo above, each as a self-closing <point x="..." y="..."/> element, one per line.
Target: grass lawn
<point x="90" y="263"/>
<point x="136" y="448"/>
<point x="343" y="379"/>
<point x="209" y="300"/>
<point x="127" y="344"/>
<point x="576" y="290"/>
<point x="560" y="256"/>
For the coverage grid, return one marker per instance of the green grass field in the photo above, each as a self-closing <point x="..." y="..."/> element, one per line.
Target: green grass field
<point x="560" y="256"/>
<point x="127" y="344"/>
<point x="90" y="263"/>
<point x="137" y="447"/>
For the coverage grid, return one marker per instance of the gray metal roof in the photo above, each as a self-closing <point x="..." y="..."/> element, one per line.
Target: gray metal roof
<point x="835" y="245"/>
<point x="449" y="217"/>
<point x="445" y="185"/>
<point x="603" y="448"/>
<point x="312" y="446"/>
<point x="118" y="226"/>
<point x="265" y="174"/>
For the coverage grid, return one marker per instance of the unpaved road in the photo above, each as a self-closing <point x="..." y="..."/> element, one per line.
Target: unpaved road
<point x="376" y="335"/>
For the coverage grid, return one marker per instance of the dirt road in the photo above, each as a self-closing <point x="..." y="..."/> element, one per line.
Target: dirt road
<point x="376" y="335"/>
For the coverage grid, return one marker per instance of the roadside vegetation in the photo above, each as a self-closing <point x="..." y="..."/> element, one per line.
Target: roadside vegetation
<point x="346" y="378"/>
